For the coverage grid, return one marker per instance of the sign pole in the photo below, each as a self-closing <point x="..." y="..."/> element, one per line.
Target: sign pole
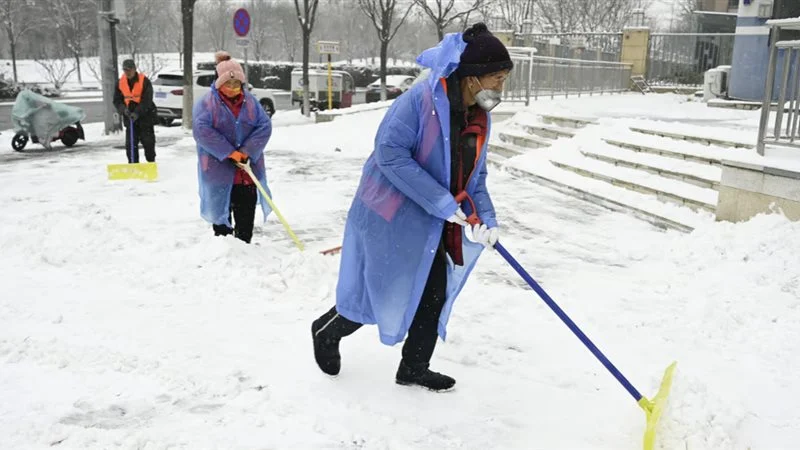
<point x="329" y="48"/>
<point x="330" y="83"/>
<point x="241" y="26"/>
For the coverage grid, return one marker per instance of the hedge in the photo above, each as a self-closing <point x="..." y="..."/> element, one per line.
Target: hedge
<point x="279" y="75"/>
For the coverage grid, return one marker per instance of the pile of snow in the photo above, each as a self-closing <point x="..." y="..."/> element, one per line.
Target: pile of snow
<point x="125" y="323"/>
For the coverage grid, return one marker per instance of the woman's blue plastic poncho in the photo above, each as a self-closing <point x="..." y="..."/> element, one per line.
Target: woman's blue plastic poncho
<point x="218" y="133"/>
<point x="396" y="219"/>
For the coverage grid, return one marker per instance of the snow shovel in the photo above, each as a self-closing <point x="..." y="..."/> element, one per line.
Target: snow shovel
<point x="246" y="168"/>
<point x="133" y="171"/>
<point x="652" y="408"/>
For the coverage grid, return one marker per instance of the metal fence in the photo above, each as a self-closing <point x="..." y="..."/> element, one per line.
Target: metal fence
<point x="585" y="46"/>
<point x="543" y="76"/>
<point x="683" y="58"/>
<point x="784" y="131"/>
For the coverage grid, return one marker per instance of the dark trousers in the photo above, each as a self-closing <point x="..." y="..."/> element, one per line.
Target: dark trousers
<point x="421" y="340"/>
<point x="243" y="206"/>
<point x="142" y="132"/>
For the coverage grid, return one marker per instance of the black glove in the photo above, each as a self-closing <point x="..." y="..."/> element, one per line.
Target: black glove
<point x="134" y="116"/>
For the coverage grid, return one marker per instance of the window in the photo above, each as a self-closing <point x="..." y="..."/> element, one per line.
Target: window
<point x="765" y="10"/>
<point x="169" y="80"/>
<point x="205" y="80"/>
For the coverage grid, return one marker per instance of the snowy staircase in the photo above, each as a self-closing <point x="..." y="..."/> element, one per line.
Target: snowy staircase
<point x="669" y="179"/>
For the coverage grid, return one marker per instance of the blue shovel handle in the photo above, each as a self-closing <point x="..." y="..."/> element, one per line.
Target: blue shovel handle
<point x="132" y="143"/>
<point x="564" y="318"/>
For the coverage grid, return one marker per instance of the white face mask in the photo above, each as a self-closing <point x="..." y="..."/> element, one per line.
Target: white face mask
<point x="488" y="99"/>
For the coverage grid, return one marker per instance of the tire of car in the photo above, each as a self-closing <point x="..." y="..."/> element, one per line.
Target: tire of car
<point x="268" y="106"/>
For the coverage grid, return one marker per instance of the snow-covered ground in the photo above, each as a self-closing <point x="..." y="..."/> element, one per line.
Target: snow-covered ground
<point x="124" y="323"/>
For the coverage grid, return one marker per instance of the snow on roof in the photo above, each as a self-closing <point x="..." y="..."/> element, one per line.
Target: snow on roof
<point x="791" y="23"/>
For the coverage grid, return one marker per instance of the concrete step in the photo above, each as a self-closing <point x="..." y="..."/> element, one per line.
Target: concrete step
<point x="641" y="206"/>
<point x="693" y="138"/>
<point x="701" y="175"/>
<point x="505" y="150"/>
<point x="549" y="132"/>
<point x="664" y="189"/>
<point x="522" y="139"/>
<point x="670" y="153"/>
<point x="568" y="122"/>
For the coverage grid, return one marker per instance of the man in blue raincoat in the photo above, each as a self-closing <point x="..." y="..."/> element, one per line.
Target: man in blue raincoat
<point x="404" y="259"/>
<point x="230" y="127"/>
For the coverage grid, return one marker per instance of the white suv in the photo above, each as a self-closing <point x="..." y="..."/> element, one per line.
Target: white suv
<point x="168" y="93"/>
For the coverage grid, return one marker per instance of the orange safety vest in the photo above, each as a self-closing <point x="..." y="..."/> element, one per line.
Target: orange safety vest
<point x="134" y="96"/>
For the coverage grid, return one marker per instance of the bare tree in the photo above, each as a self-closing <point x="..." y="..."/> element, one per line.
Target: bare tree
<point x="137" y="28"/>
<point x="306" y="17"/>
<point x="515" y="13"/>
<point x="586" y="16"/>
<point x="187" y="15"/>
<point x="286" y="16"/>
<point x="443" y="13"/>
<point x="56" y="70"/>
<point x="261" y="31"/>
<point x="215" y="18"/>
<point x="13" y="20"/>
<point x="386" y="21"/>
<point x="74" y="22"/>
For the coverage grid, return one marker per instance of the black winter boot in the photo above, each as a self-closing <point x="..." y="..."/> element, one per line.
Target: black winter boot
<point x="326" y="349"/>
<point x="420" y="375"/>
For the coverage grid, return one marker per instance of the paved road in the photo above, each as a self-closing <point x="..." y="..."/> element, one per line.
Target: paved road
<point x="94" y="108"/>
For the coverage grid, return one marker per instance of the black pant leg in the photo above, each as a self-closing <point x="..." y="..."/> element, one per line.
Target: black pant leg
<point x="332" y="326"/>
<point x="422" y="335"/>
<point x="147" y="135"/>
<point x="243" y="204"/>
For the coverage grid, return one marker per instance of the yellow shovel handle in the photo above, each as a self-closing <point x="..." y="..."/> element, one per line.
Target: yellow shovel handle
<point x="246" y="168"/>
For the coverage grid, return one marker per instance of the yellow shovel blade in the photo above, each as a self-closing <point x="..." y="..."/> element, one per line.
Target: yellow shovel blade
<point x="138" y="171"/>
<point x="654" y="408"/>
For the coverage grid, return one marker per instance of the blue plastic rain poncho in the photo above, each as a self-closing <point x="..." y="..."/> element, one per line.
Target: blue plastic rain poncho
<point x="218" y="133"/>
<point x="395" y="222"/>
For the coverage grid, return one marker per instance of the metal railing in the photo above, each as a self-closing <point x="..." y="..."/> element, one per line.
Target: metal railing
<point x="543" y="76"/>
<point x="785" y="54"/>
<point x="586" y="46"/>
<point x="683" y="58"/>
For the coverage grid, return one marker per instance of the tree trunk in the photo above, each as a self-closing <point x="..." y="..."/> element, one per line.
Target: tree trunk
<point x="384" y="51"/>
<point x="187" y="13"/>
<point x="306" y="92"/>
<point x="78" y="67"/>
<point x="13" y="46"/>
<point x="440" y="31"/>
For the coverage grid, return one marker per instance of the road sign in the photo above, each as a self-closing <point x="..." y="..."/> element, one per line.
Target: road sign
<point x="241" y="22"/>
<point x="328" y="47"/>
<point x="242" y="42"/>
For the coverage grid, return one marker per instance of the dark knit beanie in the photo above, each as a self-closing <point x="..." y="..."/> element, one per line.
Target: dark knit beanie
<point x="484" y="54"/>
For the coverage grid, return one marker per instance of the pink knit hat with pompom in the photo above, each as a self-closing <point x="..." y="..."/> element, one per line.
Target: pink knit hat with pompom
<point x="229" y="70"/>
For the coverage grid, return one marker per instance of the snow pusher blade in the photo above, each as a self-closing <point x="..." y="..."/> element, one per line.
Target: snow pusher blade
<point x="246" y="168"/>
<point x="139" y="171"/>
<point x="653" y="408"/>
<point x="133" y="171"/>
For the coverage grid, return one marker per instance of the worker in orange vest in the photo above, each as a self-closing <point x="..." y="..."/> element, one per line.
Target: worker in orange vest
<point x="134" y="102"/>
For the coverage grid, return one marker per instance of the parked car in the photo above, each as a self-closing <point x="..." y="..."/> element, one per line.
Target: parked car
<point x="168" y="93"/>
<point x="343" y="87"/>
<point x="395" y="85"/>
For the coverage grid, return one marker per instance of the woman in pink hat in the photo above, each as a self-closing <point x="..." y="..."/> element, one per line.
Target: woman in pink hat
<point x="230" y="127"/>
